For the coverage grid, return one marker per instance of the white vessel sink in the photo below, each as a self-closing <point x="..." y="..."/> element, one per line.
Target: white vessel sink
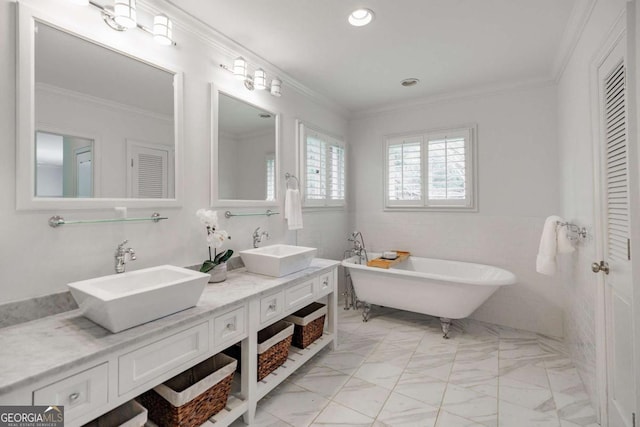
<point x="277" y="260"/>
<point x="122" y="301"/>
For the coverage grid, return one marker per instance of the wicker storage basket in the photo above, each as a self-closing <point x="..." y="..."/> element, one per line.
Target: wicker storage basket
<point x="131" y="414"/>
<point x="309" y="324"/>
<point x="192" y="397"/>
<point x="273" y="347"/>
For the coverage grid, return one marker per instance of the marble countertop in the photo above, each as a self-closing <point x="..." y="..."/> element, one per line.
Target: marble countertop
<point x="32" y="351"/>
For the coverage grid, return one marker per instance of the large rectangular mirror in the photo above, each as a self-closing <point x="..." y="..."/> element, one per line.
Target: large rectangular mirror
<point x="102" y="126"/>
<point x="245" y="153"/>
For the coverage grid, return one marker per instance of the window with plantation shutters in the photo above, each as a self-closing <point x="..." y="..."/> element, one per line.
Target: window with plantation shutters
<point x="616" y="167"/>
<point x="434" y="170"/>
<point x="323" y="168"/>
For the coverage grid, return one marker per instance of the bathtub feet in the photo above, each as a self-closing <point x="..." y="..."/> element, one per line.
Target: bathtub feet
<point x="445" y="323"/>
<point x="366" y="310"/>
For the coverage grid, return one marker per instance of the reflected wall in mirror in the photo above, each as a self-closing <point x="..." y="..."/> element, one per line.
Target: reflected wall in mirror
<point x="124" y="105"/>
<point x="246" y="151"/>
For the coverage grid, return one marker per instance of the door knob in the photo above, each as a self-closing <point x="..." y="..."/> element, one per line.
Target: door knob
<point x="603" y="266"/>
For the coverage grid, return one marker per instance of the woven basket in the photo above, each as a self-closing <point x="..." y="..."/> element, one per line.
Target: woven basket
<point x="192" y="397"/>
<point x="309" y="324"/>
<point x="273" y="347"/>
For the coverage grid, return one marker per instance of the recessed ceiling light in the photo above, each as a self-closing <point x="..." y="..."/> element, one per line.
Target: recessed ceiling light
<point x="361" y="17"/>
<point x="410" y="82"/>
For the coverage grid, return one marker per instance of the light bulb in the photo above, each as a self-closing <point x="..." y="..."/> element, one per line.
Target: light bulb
<point x="124" y="13"/>
<point x="163" y="30"/>
<point x="360" y="17"/>
<point x="240" y="68"/>
<point x="276" y="87"/>
<point x="260" y="79"/>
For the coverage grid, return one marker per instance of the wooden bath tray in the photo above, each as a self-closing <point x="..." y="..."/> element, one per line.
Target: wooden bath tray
<point x="386" y="263"/>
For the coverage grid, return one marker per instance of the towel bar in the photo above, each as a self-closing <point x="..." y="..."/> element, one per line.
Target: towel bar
<point x="580" y="232"/>
<point x="289" y="177"/>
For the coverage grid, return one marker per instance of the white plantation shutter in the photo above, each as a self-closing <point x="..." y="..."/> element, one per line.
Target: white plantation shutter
<point x="336" y="172"/>
<point x="324" y="166"/>
<point x="433" y="170"/>
<point x="271" y="177"/>
<point x="617" y="165"/>
<point x="404" y="163"/>
<point x="316" y="171"/>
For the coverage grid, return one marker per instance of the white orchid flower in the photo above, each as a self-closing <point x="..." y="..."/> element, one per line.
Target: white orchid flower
<point x="208" y="217"/>
<point x="217" y="238"/>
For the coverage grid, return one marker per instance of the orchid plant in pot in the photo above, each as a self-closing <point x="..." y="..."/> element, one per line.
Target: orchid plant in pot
<point x="216" y="265"/>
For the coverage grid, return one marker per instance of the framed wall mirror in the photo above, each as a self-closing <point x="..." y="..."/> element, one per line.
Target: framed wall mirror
<point x="96" y="127"/>
<point x="244" y="153"/>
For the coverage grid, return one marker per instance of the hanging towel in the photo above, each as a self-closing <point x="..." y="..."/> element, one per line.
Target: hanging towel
<point x="554" y="240"/>
<point x="564" y="244"/>
<point x="293" y="209"/>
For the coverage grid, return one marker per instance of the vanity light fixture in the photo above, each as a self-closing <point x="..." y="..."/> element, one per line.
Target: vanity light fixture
<point x="276" y="87"/>
<point x="260" y="79"/>
<point x="123" y="16"/>
<point x="162" y="30"/>
<point x="361" y="17"/>
<point x="124" y="13"/>
<point x="253" y="81"/>
<point x="240" y="68"/>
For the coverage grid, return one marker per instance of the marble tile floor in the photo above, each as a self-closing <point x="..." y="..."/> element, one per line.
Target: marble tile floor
<point x="396" y="370"/>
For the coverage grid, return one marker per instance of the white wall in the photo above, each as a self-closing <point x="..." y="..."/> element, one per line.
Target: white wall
<point x="518" y="189"/>
<point x="577" y="175"/>
<point x="36" y="259"/>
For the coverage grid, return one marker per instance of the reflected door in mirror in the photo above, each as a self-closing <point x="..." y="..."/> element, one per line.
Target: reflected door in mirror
<point x="64" y="166"/>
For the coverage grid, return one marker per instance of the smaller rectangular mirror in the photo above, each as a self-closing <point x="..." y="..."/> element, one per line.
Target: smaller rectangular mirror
<point x="245" y="153"/>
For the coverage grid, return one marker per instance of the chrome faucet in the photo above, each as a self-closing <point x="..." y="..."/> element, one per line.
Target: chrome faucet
<point x="257" y="237"/>
<point x="358" y="246"/>
<point x="123" y="255"/>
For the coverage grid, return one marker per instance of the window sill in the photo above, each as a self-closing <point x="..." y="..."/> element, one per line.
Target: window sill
<point x="461" y="209"/>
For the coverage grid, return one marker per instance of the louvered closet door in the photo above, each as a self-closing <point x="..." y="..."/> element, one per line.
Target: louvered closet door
<point x="148" y="171"/>
<point x="615" y="206"/>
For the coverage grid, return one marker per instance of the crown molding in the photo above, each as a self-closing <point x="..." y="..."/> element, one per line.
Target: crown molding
<point x="106" y="103"/>
<point x="187" y="23"/>
<point x="580" y="15"/>
<point x="455" y="96"/>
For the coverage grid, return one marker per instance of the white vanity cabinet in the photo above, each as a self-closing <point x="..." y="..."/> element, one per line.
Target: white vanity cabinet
<point x="93" y="385"/>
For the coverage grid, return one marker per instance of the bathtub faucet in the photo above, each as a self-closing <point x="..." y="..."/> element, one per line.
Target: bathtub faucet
<point x="358" y="246"/>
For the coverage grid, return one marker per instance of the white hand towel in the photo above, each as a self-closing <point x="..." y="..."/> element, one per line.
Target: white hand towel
<point x="564" y="244"/>
<point x="293" y="209"/>
<point x="546" y="261"/>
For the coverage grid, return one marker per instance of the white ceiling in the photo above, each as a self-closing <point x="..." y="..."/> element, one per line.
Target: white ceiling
<point x="450" y="45"/>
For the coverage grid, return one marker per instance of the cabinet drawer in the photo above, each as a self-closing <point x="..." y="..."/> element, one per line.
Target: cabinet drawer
<point x="229" y="328"/>
<point x="325" y="283"/>
<point x="80" y="393"/>
<point x="299" y="294"/>
<point x="146" y="363"/>
<point x="271" y="307"/>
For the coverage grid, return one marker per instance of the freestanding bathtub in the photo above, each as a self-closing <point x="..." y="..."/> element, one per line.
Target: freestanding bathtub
<point x="446" y="289"/>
